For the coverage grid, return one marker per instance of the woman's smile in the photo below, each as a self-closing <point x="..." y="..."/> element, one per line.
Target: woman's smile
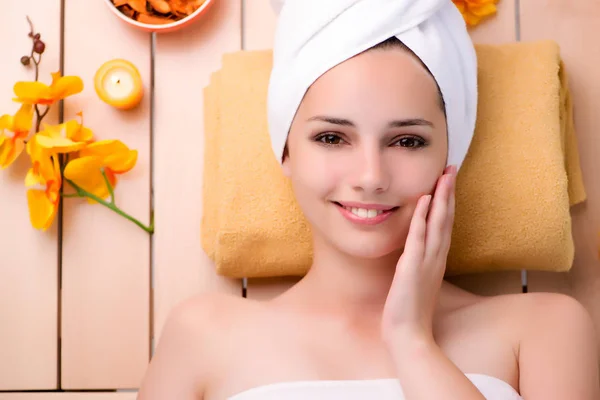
<point x="365" y="214"/>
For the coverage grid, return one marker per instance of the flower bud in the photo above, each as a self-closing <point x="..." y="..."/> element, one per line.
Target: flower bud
<point x="39" y="46"/>
<point x="37" y="36"/>
<point x="25" y="60"/>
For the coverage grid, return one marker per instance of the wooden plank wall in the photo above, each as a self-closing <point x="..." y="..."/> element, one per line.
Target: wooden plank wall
<point x="29" y="263"/>
<point x="109" y="306"/>
<point x="69" y="396"/>
<point x="105" y="258"/>
<point x="119" y="284"/>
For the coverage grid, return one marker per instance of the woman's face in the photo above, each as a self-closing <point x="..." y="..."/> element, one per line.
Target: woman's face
<point x="367" y="141"/>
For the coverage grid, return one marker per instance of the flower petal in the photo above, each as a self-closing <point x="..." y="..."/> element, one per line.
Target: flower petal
<point x="55" y="77"/>
<point x="6" y="122"/>
<point x="460" y="5"/>
<point x="44" y="172"/>
<point x="116" y="154"/>
<point x="86" y="173"/>
<point x="32" y="93"/>
<point x="50" y="170"/>
<point x="65" y="86"/>
<point x="471" y="19"/>
<point x="59" y="144"/>
<point x="41" y="209"/>
<point x="37" y="154"/>
<point x="23" y="120"/>
<point x="112" y="179"/>
<point x="9" y="151"/>
<point x="54" y="131"/>
<point x="483" y="10"/>
<point x="104" y="148"/>
<point x="481" y="2"/>
<point x="121" y="162"/>
<point x="33" y="179"/>
<point x="77" y="132"/>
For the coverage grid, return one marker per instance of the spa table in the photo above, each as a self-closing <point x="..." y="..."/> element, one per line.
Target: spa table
<point x="83" y="303"/>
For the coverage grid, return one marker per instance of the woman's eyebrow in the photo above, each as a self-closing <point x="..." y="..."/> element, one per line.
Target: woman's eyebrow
<point x="398" y="123"/>
<point x="332" y="120"/>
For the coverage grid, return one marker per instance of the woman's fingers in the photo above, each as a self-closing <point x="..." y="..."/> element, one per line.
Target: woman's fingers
<point x="415" y="242"/>
<point x="430" y="229"/>
<point x="449" y="219"/>
<point x="438" y="219"/>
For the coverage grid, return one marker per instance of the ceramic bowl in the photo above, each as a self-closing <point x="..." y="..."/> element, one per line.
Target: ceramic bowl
<point x="161" y="28"/>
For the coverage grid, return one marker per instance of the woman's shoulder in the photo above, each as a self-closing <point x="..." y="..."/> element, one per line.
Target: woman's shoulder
<point x="533" y="310"/>
<point x="217" y="306"/>
<point x="192" y="343"/>
<point x="210" y="318"/>
<point x="554" y="336"/>
<point x="531" y="314"/>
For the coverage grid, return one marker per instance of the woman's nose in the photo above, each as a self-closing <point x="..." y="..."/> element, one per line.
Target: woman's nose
<point x="370" y="172"/>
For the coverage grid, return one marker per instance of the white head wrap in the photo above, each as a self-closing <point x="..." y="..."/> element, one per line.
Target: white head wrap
<point x="313" y="36"/>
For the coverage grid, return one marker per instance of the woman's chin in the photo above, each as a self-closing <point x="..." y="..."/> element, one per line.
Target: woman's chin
<point x="369" y="249"/>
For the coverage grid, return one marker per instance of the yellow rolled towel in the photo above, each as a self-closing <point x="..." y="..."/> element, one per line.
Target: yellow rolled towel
<point x="514" y="190"/>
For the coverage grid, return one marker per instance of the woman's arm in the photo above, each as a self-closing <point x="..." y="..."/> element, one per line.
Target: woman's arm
<point x="424" y="371"/>
<point x="558" y="356"/>
<point x="179" y="362"/>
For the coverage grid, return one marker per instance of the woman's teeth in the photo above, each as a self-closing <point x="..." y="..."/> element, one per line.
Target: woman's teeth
<point x="363" y="212"/>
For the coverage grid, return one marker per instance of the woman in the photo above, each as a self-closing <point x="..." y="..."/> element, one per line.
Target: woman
<point x="367" y="153"/>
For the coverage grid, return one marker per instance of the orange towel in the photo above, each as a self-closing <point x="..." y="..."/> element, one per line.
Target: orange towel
<point x="514" y="190"/>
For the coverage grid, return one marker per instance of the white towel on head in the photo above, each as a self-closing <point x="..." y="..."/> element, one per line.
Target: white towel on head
<point x="313" y="36"/>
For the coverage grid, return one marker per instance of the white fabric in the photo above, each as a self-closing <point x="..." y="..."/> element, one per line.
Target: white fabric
<point x="381" y="389"/>
<point x="313" y="36"/>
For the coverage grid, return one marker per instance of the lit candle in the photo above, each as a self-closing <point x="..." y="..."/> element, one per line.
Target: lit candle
<point x="118" y="83"/>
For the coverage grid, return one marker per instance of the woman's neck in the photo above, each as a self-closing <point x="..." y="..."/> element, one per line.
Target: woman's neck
<point x="343" y="284"/>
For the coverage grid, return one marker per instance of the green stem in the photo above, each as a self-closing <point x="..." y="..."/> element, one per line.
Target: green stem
<point x="84" y="193"/>
<point x="109" y="187"/>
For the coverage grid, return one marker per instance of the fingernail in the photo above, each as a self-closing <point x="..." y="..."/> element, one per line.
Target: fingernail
<point x="427" y="200"/>
<point x="453" y="180"/>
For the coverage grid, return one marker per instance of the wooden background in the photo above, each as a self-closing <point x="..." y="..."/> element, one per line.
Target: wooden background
<point x="82" y="305"/>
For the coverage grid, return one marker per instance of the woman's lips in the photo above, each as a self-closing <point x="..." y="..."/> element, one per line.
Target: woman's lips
<point x="365" y="214"/>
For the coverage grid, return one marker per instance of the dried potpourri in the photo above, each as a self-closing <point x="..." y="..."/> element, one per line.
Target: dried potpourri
<point x="157" y="11"/>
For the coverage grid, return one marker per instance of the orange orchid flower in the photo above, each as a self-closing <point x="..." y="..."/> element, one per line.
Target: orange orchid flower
<point x="110" y="157"/>
<point x="44" y="181"/>
<point x="474" y="11"/>
<point x="14" y="130"/>
<point x="67" y="137"/>
<point x="36" y="92"/>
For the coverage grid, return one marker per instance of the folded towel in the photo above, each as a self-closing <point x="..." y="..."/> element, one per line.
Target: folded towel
<point x="514" y="189"/>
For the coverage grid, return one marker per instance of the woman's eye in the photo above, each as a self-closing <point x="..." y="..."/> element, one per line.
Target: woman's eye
<point x="330" y="139"/>
<point x="411" y="142"/>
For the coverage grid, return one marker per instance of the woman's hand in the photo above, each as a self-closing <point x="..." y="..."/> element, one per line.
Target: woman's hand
<point x="407" y="321"/>
<point x="412" y="298"/>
